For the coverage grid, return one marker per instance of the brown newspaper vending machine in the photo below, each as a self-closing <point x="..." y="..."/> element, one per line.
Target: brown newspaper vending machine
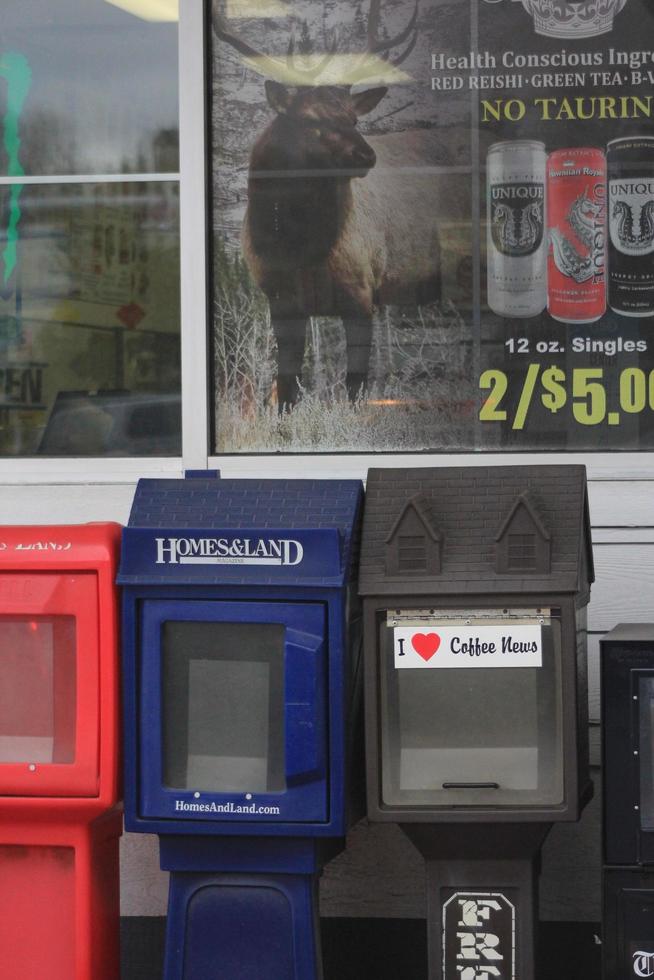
<point x="475" y="583"/>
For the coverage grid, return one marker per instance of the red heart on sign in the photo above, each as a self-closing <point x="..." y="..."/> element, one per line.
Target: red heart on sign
<point x="426" y="644"/>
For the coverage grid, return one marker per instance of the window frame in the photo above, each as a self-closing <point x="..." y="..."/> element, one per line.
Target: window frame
<point x="305" y="796"/>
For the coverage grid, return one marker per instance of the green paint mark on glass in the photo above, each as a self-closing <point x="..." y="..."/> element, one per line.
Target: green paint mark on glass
<point x="15" y="69"/>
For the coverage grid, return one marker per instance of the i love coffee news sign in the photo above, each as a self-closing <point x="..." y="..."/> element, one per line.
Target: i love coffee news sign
<point x="510" y="645"/>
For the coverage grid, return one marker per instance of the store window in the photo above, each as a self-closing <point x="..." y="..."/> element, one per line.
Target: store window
<point x="431" y="226"/>
<point x="89" y="233"/>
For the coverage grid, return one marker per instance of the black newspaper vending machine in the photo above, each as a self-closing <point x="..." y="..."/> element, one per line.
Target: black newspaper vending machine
<point x="627" y="665"/>
<point x="475" y="583"/>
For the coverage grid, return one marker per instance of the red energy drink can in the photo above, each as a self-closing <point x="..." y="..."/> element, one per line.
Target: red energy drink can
<point x="576" y="223"/>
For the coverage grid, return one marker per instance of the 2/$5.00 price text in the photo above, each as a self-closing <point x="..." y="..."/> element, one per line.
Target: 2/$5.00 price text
<point x="582" y="390"/>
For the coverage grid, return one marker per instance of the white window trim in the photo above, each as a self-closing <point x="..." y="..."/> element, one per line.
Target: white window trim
<point x="616" y="467"/>
<point x="195" y="351"/>
<point x="193" y="233"/>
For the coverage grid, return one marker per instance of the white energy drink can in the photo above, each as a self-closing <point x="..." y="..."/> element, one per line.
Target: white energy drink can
<point x="631" y="224"/>
<point x="516" y="243"/>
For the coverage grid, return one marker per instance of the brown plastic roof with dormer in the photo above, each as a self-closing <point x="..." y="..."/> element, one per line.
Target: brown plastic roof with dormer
<point x="422" y="506"/>
<point x="469" y="506"/>
<point x="530" y="503"/>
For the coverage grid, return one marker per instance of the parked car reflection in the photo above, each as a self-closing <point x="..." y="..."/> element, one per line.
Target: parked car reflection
<point x="113" y="423"/>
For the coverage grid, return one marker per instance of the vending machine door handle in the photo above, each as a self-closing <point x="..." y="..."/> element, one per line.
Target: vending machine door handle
<point x="305" y="710"/>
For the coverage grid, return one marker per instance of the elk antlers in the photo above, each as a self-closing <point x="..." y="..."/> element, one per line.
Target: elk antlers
<point x="344" y="68"/>
<point x="384" y="47"/>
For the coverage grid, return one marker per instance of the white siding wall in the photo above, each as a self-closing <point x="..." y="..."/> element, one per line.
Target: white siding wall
<point x="381" y="874"/>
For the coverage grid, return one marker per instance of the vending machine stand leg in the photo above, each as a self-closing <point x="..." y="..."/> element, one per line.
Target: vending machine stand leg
<point x="243" y="909"/>
<point x="59" y="899"/>
<point x="482" y="898"/>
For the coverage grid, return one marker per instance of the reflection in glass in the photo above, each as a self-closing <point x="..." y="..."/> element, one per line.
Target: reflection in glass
<point x="89" y="322"/>
<point x="223" y="708"/>
<point x="38" y="685"/>
<point x="646" y="754"/>
<point x="91" y="89"/>
<point x="472" y="736"/>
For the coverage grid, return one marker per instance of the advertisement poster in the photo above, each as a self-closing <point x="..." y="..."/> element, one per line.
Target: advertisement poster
<point x="433" y="225"/>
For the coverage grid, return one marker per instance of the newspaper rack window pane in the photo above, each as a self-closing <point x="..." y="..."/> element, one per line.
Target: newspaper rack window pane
<point x="482" y="736"/>
<point x="646" y="751"/>
<point x="223" y="706"/>
<point x="37" y="689"/>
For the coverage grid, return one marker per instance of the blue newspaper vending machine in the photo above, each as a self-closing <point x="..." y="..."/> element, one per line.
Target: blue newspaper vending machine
<point x="241" y="652"/>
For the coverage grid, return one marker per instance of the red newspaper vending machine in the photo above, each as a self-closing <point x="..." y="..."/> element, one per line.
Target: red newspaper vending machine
<point x="60" y="816"/>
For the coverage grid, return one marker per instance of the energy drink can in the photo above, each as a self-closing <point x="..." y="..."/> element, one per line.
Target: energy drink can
<point x="630" y="165"/>
<point x="515" y="242"/>
<point x="576" y="224"/>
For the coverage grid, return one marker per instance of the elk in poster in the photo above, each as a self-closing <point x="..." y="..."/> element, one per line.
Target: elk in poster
<point x="333" y="226"/>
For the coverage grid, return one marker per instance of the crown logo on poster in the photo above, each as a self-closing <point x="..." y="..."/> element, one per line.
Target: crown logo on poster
<point x="572" y="21"/>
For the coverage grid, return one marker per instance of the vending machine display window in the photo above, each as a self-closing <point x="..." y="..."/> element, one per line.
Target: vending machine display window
<point x="48" y="712"/>
<point x="240" y="690"/>
<point x="646" y="750"/>
<point x="447" y="736"/>
<point x="37" y="689"/>
<point x="223" y="707"/>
